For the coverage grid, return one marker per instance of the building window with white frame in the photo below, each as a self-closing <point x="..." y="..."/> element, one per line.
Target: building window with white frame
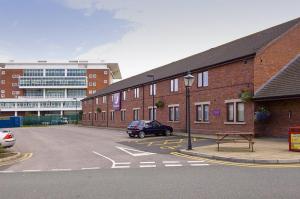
<point x="2" y="81"/>
<point x="124" y="95"/>
<point x="174" y="85"/>
<point x="112" y="115"/>
<point x="104" y="99"/>
<point x="235" y="111"/>
<point x="103" y="115"/>
<point x="173" y="113"/>
<point x="123" y="115"/>
<point x="202" y="111"/>
<point x="105" y="81"/>
<point x="150" y="109"/>
<point x="152" y="89"/>
<point x="203" y="79"/>
<point x="94" y="83"/>
<point x="97" y="100"/>
<point x="136" y="113"/>
<point x="105" y="72"/>
<point x="136" y="92"/>
<point x="94" y="75"/>
<point x="3" y="72"/>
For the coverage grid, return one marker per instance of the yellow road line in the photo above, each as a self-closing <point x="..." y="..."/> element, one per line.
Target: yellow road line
<point x="252" y="165"/>
<point x="24" y="157"/>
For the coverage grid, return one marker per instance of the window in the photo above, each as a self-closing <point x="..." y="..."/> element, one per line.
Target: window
<point x="136" y="92"/>
<point x="94" y="91"/>
<point x="173" y="112"/>
<point x="15" y="92"/>
<point x="14" y="84"/>
<point x="90" y="116"/>
<point x="79" y="93"/>
<point x="90" y="92"/>
<point x="2" y="91"/>
<point x="95" y="116"/>
<point x="235" y="111"/>
<point x="15" y="76"/>
<point x="2" y="95"/>
<point x="240" y="112"/>
<point x="150" y="109"/>
<point x="174" y="85"/>
<point x="55" y="72"/>
<point x="33" y="72"/>
<point x="123" y="112"/>
<point x="203" y="79"/>
<point x="153" y="86"/>
<point x="3" y="81"/>
<point x="3" y="72"/>
<point x="104" y="99"/>
<point x="112" y="115"/>
<point x="90" y="83"/>
<point x="103" y="115"/>
<point x="94" y="83"/>
<point x="90" y="75"/>
<point x="76" y="72"/>
<point x="105" y="81"/>
<point x="94" y="75"/>
<point x="105" y="72"/>
<point x="202" y="111"/>
<point x="135" y="114"/>
<point x="97" y="100"/>
<point x="124" y="95"/>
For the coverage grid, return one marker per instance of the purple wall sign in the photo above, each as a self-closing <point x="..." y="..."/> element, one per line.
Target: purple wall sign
<point x="117" y="102"/>
<point x="216" y="112"/>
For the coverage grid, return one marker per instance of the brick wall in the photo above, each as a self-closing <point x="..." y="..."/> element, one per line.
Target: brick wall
<point x="10" y="77"/>
<point x="100" y="79"/>
<point x="275" y="55"/>
<point x="225" y="83"/>
<point x="284" y="114"/>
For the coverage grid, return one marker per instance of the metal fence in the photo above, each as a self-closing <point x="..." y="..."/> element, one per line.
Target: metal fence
<point x="50" y="120"/>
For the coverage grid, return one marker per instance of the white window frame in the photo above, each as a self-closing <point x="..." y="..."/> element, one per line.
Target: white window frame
<point x="154" y="89"/>
<point x="173" y="106"/>
<point x="112" y="115"/>
<point x="136" y="116"/>
<point x="97" y="100"/>
<point x="234" y="101"/>
<point x="174" y="85"/>
<point x="124" y="95"/>
<point x="123" y="114"/>
<point x="105" y="72"/>
<point x="202" y="104"/>
<point x="150" y="108"/>
<point x="104" y="99"/>
<point x="105" y="81"/>
<point x="201" y="77"/>
<point x="137" y="93"/>
<point x="3" y="72"/>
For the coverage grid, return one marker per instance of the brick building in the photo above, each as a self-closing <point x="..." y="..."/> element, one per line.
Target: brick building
<point x="223" y="74"/>
<point x="44" y="88"/>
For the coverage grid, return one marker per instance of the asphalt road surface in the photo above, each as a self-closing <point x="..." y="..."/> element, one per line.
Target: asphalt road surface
<point x="77" y="162"/>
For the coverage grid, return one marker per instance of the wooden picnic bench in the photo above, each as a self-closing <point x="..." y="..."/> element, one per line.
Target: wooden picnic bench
<point x="235" y="137"/>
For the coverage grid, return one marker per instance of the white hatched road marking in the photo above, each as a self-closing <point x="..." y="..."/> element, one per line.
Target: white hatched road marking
<point x="123" y="163"/>
<point x="147" y="162"/>
<point x="90" y="168"/>
<point x="134" y="152"/>
<point x="147" y="166"/>
<point x="31" y="170"/>
<point x="173" y="165"/>
<point x="199" y="165"/>
<point x="10" y="171"/>
<point x="121" y="166"/>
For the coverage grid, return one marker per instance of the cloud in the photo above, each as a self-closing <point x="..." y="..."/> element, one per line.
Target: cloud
<point x="168" y="30"/>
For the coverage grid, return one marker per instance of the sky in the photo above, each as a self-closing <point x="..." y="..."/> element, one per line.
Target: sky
<point x="138" y="34"/>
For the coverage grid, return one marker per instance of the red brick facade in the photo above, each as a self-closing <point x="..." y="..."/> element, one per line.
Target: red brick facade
<point x="225" y="83"/>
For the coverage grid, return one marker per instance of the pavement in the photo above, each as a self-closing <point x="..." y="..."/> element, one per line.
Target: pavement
<point x="79" y="162"/>
<point x="266" y="151"/>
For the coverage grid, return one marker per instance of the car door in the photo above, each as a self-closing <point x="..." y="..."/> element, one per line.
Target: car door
<point x="155" y="127"/>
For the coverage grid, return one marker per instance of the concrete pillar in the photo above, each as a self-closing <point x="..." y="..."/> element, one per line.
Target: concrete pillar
<point x="44" y="93"/>
<point x="61" y="113"/>
<point x="16" y="113"/>
<point x="39" y="113"/>
<point x="66" y="93"/>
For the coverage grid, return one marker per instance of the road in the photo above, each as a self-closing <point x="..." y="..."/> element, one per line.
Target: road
<point x="78" y="162"/>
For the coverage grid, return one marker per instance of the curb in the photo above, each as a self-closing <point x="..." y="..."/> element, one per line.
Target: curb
<point x="240" y="160"/>
<point x="11" y="158"/>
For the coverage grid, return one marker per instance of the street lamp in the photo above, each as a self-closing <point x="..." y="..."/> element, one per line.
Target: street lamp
<point x="152" y="95"/>
<point x="75" y="98"/>
<point x="188" y="82"/>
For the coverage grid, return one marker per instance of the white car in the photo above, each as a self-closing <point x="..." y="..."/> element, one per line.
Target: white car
<point x="7" y="139"/>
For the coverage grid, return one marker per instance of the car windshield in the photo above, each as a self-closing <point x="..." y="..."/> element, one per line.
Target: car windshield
<point x="135" y="123"/>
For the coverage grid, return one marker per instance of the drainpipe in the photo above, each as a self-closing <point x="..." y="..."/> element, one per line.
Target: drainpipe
<point x="143" y="102"/>
<point x="93" y="114"/>
<point x="106" y="111"/>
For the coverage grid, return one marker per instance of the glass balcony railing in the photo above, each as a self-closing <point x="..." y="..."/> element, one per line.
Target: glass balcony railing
<point x="52" y="82"/>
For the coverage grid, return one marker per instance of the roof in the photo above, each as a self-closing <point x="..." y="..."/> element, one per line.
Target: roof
<point x="286" y="83"/>
<point x="239" y="48"/>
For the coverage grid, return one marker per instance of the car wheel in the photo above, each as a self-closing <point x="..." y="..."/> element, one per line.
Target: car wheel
<point x="130" y="135"/>
<point x="168" y="132"/>
<point x="141" y="134"/>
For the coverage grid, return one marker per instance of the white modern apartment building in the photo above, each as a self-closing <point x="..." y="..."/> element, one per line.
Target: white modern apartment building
<point x="44" y="88"/>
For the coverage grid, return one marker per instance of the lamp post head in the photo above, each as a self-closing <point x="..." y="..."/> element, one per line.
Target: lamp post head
<point x="188" y="80"/>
